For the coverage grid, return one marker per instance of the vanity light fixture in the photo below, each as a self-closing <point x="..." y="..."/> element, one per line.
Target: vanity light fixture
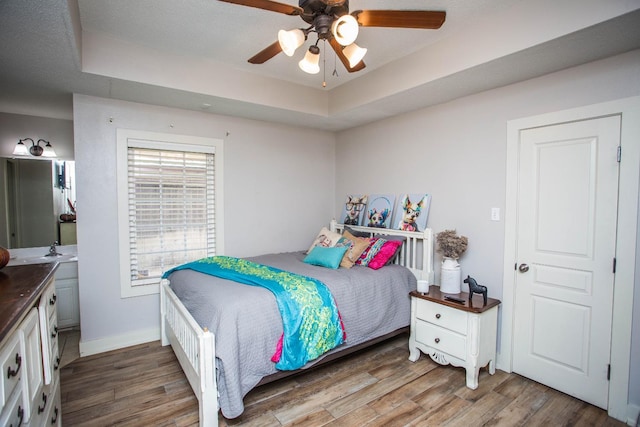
<point x="21" y="149"/>
<point x="35" y="150"/>
<point x="48" y="149"/>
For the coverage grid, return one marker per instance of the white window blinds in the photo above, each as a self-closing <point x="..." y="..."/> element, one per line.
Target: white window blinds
<point x="171" y="211"/>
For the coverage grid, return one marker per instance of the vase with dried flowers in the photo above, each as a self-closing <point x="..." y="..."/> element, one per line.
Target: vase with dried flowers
<point x="452" y="247"/>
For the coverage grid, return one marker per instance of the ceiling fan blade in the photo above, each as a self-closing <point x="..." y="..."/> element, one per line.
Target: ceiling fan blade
<point x="269" y="5"/>
<point x="424" y="19"/>
<point x="266" y="54"/>
<point x="338" y="49"/>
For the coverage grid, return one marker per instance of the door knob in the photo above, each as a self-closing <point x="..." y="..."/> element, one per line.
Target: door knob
<point x="523" y="268"/>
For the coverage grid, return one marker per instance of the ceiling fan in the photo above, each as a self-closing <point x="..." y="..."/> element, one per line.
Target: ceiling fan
<point x="331" y="21"/>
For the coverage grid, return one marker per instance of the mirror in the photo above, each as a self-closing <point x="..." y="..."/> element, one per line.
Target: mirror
<point x="39" y="200"/>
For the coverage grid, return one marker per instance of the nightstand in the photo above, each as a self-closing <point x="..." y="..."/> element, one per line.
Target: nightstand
<point x="460" y="334"/>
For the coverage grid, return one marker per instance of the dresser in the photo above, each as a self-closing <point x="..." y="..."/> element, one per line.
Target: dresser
<point x="458" y="333"/>
<point x="30" y="380"/>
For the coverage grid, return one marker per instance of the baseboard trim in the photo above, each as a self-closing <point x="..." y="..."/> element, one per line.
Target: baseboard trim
<point x="633" y="415"/>
<point x="89" y="348"/>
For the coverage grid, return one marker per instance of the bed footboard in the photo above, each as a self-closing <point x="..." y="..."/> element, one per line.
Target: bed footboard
<point x="194" y="349"/>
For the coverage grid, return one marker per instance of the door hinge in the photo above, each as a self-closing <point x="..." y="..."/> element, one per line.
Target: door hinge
<point x="609" y="372"/>
<point x="614" y="265"/>
<point x="619" y="153"/>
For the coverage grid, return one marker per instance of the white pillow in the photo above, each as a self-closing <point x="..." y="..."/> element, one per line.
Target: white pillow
<point x="326" y="238"/>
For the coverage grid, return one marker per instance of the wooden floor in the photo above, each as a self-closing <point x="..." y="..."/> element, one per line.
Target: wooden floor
<point x="144" y="386"/>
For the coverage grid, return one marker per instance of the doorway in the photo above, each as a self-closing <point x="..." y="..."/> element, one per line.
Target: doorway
<point x="625" y="234"/>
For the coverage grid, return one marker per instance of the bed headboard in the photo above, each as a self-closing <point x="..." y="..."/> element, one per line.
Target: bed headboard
<point x="416" y="253"/>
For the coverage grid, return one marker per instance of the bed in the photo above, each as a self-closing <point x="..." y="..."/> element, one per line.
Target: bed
<point x="224" y="355"/>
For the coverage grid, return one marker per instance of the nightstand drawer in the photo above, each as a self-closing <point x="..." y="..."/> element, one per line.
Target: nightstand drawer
<point x="441" y="339"/>
<point x="441" y="315"/>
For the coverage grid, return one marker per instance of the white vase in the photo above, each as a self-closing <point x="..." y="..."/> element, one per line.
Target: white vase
<point x="450" y="280"/>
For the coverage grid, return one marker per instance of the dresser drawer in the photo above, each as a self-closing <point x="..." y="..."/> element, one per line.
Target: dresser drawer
<point x="441" y="315"/>
<point x="13" y="413"/>
<point x="441" y="339"/>
<point x="48" y="301"/>
<point x="54" y="416"/>
<point x="55" y="358"/>
<point x="11" y="360"/>
<point x="48" y="329"/>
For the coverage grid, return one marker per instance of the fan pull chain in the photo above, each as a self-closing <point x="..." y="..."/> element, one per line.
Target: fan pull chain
<point x="335" y="69"/>
<point x="324" y="63"/>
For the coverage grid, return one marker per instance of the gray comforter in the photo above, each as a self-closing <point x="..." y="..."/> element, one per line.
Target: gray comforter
<point x="246" y="322"/>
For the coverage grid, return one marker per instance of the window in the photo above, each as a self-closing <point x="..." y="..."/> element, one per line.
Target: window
<point x="169" y="191"/>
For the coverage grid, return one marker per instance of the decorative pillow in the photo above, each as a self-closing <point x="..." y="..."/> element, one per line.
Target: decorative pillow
<point x="375" y="244"/>
<point x="385" y="255"/>
<point x="368" y="235"/>
<point x="387" y="237"/>
<point x="357" y="245"/>
<point x="326" y="257"/>
<point x="400" y="239"/>
<point x="326" y="238"/>
<point x="357" y="233"/>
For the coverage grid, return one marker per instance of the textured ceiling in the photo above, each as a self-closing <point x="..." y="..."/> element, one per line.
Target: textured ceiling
<point x="193" y="54"/>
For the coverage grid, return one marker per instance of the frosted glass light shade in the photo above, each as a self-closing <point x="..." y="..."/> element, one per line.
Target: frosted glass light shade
<point x="310" y="62"/>
<point x="290" y="40"/>
<point x="48" y="150"/>
<point x="20" y="150"/>
<point x="354" y="54"/>
<point x="345" y="30"/>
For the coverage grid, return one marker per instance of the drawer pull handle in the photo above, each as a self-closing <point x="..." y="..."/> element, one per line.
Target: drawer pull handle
<point x="44" y="404"/>
<point x="11" y="372"/>
<point x="55" y="332"/>
<point x="54" y="419"/>
<point x="438" y="316"/>
<point x="437" y="340"/>
<point x="53" y="299"/>
<point x="20" y="415"/>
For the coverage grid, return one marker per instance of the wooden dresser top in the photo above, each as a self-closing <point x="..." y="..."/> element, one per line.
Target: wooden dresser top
<point x="476" y="305"/>
<point x="20" y="288"/>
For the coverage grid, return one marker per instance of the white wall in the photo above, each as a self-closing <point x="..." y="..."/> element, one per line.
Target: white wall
<point x="278" y="191"/>
<point x="457" y="152"/>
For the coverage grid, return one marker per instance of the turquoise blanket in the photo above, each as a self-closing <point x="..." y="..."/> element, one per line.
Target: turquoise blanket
<point x="310" y="317"/>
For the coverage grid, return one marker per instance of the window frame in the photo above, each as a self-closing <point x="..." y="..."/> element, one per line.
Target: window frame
<point x="126" y="138"/>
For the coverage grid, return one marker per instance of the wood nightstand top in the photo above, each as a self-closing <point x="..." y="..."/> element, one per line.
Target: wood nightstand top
<point x="476" y="305"/>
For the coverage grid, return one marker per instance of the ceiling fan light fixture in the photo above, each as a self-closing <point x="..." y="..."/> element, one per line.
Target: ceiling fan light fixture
<point x="354" y="54"/>
<point x="290" y="40"/>
<point x="345" y="29"/>
<point x="310" y="62"/>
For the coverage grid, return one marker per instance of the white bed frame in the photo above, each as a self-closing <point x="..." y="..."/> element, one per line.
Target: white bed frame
<point x="195" y="347"/>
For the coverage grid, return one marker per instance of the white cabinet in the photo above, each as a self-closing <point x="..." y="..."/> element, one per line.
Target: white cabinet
<point x="30" y="384"/>
<point x="460" y="334"/>
<point x="67" y="292"/>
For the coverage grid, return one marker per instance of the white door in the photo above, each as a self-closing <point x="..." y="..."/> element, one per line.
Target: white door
<point x="567" y="209"/>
